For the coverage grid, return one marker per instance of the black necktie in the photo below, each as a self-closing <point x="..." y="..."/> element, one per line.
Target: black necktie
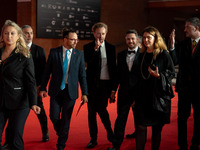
<point x="130" y="52"/>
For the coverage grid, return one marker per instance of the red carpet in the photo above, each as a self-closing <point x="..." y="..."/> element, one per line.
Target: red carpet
<point x="79" y="132"/>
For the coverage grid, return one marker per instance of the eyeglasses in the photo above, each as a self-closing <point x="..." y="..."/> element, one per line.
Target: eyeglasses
<point x="74" y="40"/>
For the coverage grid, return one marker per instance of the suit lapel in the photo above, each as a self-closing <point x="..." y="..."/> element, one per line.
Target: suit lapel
<point x="60" y="55"/>
<point x="135" y="60"/>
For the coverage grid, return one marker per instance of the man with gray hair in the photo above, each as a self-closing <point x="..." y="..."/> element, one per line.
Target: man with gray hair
<point x="187" y="55"/>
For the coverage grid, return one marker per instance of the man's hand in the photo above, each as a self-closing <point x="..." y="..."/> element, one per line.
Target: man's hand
<point x="112" y="97"/>
<point x="84" y="98"/>
<point x="43" y="94"/>
<point x="172" y="39"/>
<point x="98" y="44"/>
<point x="36" y="109"/>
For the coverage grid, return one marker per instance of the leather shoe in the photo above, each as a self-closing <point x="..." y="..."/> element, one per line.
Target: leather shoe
<point x="45" y="137"/>
<point x="114" y="148"/>
<point x="5" y="147"/>
<point x="59" y="147"/>
<point x="92" y="144"/>
<point x="183" y="148"/>
<point x="130" y="136"/>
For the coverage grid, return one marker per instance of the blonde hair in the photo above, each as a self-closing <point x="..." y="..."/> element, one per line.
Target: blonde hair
<point x="159" y="44"/>
<point x="21" y="46"/>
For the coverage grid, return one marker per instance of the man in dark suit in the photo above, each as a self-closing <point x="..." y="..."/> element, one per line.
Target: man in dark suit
<point x="100" y="58"/>
<point x="127" y="62"/>
<point x="187" y="55"/>
<point x="66" y="67"/>
<point x="132" y="135"/>
<point x="39" y="59"/>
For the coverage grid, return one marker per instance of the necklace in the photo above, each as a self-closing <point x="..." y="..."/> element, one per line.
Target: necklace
<point x="142" y="65"/>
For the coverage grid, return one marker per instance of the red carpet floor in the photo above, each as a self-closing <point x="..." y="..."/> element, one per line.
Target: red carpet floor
<point x="79" y="132"/>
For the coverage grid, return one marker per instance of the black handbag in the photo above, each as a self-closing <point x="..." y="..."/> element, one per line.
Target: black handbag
<point x="163" y="92"/>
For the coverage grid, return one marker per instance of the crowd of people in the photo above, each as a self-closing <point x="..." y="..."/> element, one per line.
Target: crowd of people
<point x="141" y="75"/>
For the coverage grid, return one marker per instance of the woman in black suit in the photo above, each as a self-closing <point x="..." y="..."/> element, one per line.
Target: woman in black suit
<point x="154" y="64"/>
<point x="17" y="84"/>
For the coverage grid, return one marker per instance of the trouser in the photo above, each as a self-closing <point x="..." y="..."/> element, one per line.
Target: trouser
<point x="97" y="103"/>
<point x="17" y="119"/>
<point x="123" y="107"/>
<point x="185" y="100"/>
<point x="42" y="117"/>
<point x="141" y="135"/>
<point x="61" y="108"/>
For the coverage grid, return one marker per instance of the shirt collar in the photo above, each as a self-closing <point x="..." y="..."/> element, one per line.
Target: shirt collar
<point x="29" y="44"/>
<point x="64" y="49"/>
<point x="197" y="40"/>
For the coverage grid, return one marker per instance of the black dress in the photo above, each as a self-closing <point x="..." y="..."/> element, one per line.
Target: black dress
<point x="145" y="113"/>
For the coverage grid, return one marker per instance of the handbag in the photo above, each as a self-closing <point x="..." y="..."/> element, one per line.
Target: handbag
<point x="163" y="92"/>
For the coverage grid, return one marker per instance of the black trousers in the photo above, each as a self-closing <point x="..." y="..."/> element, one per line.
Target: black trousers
<point x="97" y="103"/>
<point x="17" y="119"/>
<point x="185" y="101"/>
<point x="61" y="108"/>
<point x="123" y="107"/>
<point x="42" y="117"/>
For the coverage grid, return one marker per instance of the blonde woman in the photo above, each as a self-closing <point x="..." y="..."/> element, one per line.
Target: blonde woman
<point x="155" y="65"/>
<point x="17" y="83"/>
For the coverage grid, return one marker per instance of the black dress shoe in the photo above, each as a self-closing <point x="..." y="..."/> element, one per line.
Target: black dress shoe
<point x="60" y="148"/>
<point x="92" y="144"/>
<point x="45" y="137"/>
<point x="130" y="136"/>
<point x="5" y="147"/>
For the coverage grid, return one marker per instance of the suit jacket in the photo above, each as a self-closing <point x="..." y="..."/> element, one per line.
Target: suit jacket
<point x="17" y="82"/>
<point x="94" y="63"/>
<point x="39" y="59"/>
<point x="127" y="80"/>
<point x="189" y="65"/>
<point x="76" y="73"/>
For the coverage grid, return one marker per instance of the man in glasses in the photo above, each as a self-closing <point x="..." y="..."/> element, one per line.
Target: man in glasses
<point x="66" y="67"/>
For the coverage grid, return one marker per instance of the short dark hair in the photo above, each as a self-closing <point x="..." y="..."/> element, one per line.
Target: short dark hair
<point x="194" y="21"/>
<point x="132" y="31"/>
<point x="66" y="31"/>
<point x="26" y="26"/>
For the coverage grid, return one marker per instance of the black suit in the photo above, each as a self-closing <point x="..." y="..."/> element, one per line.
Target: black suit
<point x="39" y="59"/>
<point x="99" y="90"/>
<point x="18" y="94"/>
<point x="63" y="99"/>
<point x="187" y="86"/>
<point x="127" y="81"/>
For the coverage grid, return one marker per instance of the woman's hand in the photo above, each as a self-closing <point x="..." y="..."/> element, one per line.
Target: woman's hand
<point x="154" y="73"/>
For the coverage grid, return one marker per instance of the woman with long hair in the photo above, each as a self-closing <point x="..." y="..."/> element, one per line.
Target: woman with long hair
<point x="155" y="65"/>
<point x="17" y="84"/>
